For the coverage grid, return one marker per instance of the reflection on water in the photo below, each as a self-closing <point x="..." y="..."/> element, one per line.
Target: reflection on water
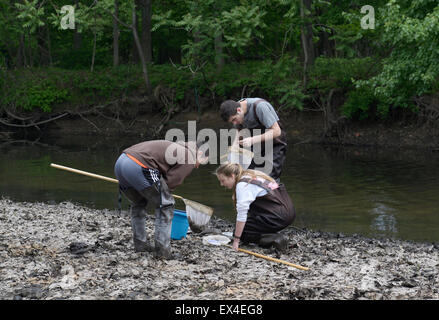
<point x="348" y="190"/>
<point x="384" y="220"/>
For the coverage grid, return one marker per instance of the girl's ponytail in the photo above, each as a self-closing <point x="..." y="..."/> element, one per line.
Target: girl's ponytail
<point x="228" y="169"/>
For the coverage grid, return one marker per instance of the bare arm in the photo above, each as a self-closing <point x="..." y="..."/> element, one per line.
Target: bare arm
<point x="272" y="133"/>
<point x="238" y="232"/>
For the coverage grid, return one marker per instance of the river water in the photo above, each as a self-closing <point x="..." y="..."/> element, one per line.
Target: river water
<point x="349" y="190"/>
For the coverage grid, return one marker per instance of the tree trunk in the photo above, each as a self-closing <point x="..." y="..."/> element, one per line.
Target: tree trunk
<point x="196" y="58"/>
<point x="23" y="48"/>
<point x="135" y="24"/>
<point x="9" y="57"/>
<point x="146" y="29"/>
<point x="140" y="52"/>
<point x="219" y="58"/>
<point x="77" y="37"/>
<point x="306" y="17"/>
<point x="138" y="45"/>
<point x="29" y="46"/>
<point x="49" y="46"/>
<point x="116" y="33"/>
<point x="20" y="57"/>
<point x="307" y="38"/>
<point x="94" y="52"/>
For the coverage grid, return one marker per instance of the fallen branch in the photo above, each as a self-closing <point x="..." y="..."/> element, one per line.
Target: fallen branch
<point x="85" y="119"/>
<point x="9" y="113"/>
<point x="165" y="119"/>
<point x="33" y="124"/>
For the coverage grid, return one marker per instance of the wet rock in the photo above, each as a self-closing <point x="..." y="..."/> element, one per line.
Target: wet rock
<point x="30" y="292"/>
<point x="301" y="293"/>
<point x="79" y="247"/>
<point x="409" y="284"/>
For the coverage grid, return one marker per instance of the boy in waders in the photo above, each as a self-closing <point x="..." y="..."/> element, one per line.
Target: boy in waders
<point x="256" y="113"/>
<point x="263" y="206"/>
<point x="148" y="172"/>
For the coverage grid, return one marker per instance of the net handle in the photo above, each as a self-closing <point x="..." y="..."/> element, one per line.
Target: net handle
<point x="93" y="175"/>
<point x="270" y="258"/>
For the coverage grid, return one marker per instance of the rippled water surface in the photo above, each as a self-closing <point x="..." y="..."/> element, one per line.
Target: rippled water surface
<point x="348" y="190"/>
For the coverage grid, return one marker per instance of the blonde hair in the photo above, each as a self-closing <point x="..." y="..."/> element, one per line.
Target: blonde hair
<point x="229" y="169"/>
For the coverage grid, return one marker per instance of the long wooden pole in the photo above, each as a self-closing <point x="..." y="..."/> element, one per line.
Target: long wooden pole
<point x="270" y="258"/>
<point x="93" y="175"/>
<point x="85" y="173"/>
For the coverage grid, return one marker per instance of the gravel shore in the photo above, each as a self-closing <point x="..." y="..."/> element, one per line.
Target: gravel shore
<point x="70" y="252"/>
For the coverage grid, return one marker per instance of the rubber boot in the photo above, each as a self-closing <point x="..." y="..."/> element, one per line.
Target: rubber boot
<point x="138" y="226"/>
<point x="142" y="246"/>
<point x="162" y="200"/>
<point x="138" y="220"/>
<point x="277" y="240"/>
<point x="162" y="234"/>
<point x="163" y="253"/>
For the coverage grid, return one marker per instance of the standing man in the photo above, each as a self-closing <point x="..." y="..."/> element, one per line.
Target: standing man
<point x="256" y="113"/>
<point x="148" y="172"/>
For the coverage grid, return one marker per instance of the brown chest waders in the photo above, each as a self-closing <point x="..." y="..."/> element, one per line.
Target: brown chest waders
<point x="268" y="214"/>
<point x="279" y="147"/>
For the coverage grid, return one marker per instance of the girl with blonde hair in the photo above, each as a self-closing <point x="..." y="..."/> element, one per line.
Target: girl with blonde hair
<point x="263" y="206"/>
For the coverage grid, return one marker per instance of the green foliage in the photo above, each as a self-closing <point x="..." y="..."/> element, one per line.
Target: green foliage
<point x="241" y="24"/>
<point x="238" y="23"/>
<point x="373" y="70"/>
<point x="30" y="92"/>
<point x="180" y="80"/>
<point x="43" y="96"/>
<point x="52" y="88"/>
<point x="31" y="14"/>
<point x="411" y="69"/>
<point x="339" y="73"/>
<point x="104" y="84"/>
<point x="359" y="103"/>
<point x="346" y="36"/>
<point x="274" y="80"/>
<point x="278" y="80"/>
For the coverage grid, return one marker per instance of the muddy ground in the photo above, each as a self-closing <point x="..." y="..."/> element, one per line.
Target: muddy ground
<point x="71" y="252"/>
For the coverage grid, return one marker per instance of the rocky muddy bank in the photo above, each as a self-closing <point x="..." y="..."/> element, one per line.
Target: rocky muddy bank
<point x="65" y="251"/>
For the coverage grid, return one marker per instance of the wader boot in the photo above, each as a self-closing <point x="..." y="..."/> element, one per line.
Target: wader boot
<point x="138" y="220"/>
<point x="164" y="204"/>
<point x="140" y="246"/>
<point x="162" y="234"/>
<point x="159" y="196"/>
<point x="278" y="240"/>
<point x="269" y="214"/>
<point x="279" y="147"/>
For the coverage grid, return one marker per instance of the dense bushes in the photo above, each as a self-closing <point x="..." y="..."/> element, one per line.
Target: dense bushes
<point x="227" y="49"/>
<point x="48" y="88"/>
<point x="278" y="81"/>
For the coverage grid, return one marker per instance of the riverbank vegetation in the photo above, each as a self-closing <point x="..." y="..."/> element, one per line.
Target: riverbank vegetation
<point x="350" y="60"/>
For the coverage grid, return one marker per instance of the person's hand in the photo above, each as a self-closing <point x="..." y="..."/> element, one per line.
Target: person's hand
<point x="235" y="244"/>
<point x="247" y="142"/>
